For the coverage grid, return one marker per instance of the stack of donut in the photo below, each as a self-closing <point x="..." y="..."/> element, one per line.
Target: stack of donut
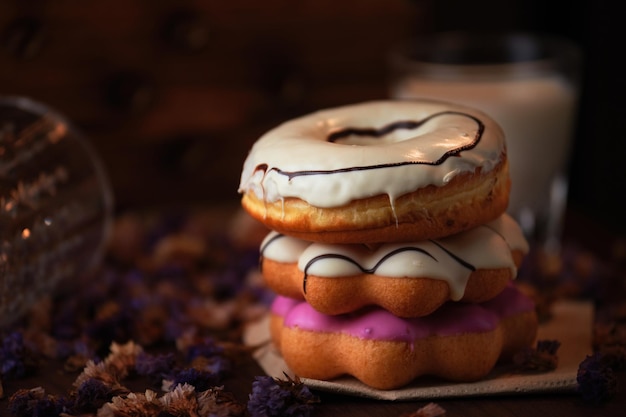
<point x="390" y="251"/>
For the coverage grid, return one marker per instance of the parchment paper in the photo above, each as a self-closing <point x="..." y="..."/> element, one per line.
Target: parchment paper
<point x="571" y="324"/>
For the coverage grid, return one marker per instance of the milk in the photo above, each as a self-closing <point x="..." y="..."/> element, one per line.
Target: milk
<point x="537" y="116"/>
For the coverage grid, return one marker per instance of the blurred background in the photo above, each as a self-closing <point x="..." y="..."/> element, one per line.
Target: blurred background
<point x="173" y="92"/>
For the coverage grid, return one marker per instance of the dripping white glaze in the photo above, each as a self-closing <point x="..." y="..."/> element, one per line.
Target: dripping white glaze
<point x="451" y="259"/>
<point x="299" y="159"/>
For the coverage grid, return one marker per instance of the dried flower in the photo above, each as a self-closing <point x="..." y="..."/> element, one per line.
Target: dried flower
<point x="16" y="359"/>
<point x="609" y="338"/>
<point x="183" y="400"/>
<point x="272" y="397"/>
<point x="123" y="357"/>
<point x="596" y="381"/>
<point x="609" y="331"/>
<point x="149" y="299"/>
<point x="155" y="367"/>
<point x="201" y="380"/>
<point x="216" y="365"/>
<point x="132" y="405"/>
<point x="180" y="401"/>
<point x="100" y="371"/>
<point x="215" y="402"/>
<point x="204" y="347"/>
<point x="429" y="410"/>
<point x="614" y="356"/>
<point x="542" y="358"/>
<point x="35" y="402"/>
<point x="93" y="394"/>
<point x="75" y="363"/>
<point x="205" y="354"/>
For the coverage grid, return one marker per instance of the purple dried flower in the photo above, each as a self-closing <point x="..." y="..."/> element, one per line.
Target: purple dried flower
<point x="596" y="382"/>
<point x="218" y="365"/>
<point x="180" y="401"/>
<point x="35" y="402"/>
<point x="542" y="358"/>
<point x="134" y="404"/>
<point x="205" y="347"/>
<point x="215" y="402"/>
<point x="609" y="336"/>
<point x="548" y="346"/>
<point x="16" y="359"/>
<point x="155" y="367"/>
<point x="201" y="380"/>
<point x="206" y="355"/>
<point x="273" y="397"/>
<point x="613" y="356"/>
<point x="93" y="394"/>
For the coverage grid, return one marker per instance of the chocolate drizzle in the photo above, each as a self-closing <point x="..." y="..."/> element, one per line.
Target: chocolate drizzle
<point x="380" y="132"/>
<point x="359" y="266"/>
<point x="265" y="245"/>
<point x="372" y="132"/>
<point x="455" y="257"/>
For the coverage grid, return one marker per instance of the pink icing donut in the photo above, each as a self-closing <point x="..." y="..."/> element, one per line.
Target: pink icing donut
<point x="459" y="341"/>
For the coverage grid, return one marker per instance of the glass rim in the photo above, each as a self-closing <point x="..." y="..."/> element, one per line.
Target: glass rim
<point x="475" y="54"/>
<point x="29" y="105"/>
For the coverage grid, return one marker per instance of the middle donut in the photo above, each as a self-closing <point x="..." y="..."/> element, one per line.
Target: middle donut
<point x="408" y="279"/>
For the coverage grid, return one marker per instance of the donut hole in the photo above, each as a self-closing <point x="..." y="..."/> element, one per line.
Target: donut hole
<point x="392" y="133"/>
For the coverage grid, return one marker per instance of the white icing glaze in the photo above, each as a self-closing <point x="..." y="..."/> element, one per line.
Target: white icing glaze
<point x="355" y="167"/>
<point x="451" y="259"/>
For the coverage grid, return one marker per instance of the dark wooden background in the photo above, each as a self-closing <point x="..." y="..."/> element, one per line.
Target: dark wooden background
<point x="173" y="92"/>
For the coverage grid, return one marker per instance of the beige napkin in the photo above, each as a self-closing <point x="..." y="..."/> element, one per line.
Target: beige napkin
<point x="571" y="324"/>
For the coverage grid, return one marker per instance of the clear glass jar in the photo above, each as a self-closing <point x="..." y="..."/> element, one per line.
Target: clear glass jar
<point x="56" y="205"/>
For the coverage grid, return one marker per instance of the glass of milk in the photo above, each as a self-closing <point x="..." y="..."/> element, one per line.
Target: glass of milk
<point x="529" y="85"/>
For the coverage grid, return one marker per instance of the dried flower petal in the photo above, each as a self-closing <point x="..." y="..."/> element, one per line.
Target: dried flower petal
<point x="93" y="394"/>
<point x="35" y="402"/>
<point x="273" y="397"/>
<point x="215" y="402"/>
<point x="596" y="381"/>
<point x="101" y="372"/>
<point x="429" y="410"/>
<point x="180" y="401"/>
<point x="132" y="405"/>
<point x="613" y="356"/>
<point x="123" y="357"/>
<point x="75" y="363"/>
<point x="16" y="359"/>
<point x="548" y="346"/>
<point x="216" y="365"/>
<point x="155" y="367"/>
<point x="542" y="358"/>
<point x="201" y="380"/>
<point x="204" y="347"/>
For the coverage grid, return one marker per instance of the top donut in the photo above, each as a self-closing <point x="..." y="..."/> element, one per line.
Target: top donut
<point x="379" y="171"/>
